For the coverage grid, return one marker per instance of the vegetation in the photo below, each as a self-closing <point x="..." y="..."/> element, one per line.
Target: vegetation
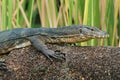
<point x="53" y="13"/>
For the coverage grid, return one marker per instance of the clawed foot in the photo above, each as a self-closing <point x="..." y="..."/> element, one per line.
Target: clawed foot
<point x="56" y="55"/>
<point x="3" y="67"/>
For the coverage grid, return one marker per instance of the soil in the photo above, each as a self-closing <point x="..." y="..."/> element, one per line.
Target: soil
<point x="81" y="63"/>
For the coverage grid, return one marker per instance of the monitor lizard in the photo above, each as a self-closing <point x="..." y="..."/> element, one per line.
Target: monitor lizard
<point x="38" y="37"/>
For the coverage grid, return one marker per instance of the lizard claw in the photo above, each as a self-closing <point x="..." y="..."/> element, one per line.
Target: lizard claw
<point x="3" y="66"/>
<point x="55" y="55"/>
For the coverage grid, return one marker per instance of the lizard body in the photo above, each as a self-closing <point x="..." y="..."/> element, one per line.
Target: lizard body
<point x="22" y="37"/>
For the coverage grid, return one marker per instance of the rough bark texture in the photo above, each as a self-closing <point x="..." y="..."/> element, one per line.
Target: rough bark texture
<point x="82" y="63"/>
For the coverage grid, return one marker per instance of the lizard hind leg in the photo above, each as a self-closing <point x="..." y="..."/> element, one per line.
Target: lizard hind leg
<point x="3" y="65"/>
<point x="40" y="46"/>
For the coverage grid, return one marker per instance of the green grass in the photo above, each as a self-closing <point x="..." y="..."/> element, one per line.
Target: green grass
<point x="103" y="14"/>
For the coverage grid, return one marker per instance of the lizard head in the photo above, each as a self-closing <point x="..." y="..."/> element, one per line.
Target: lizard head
<point x="73" y="34"/>
<point x="92" y="32"/>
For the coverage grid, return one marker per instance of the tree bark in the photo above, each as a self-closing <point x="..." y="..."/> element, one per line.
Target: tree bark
<point x="81" y="63"/>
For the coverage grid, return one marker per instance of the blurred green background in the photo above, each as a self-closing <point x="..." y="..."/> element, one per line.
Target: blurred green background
<point x="104" y="14"/>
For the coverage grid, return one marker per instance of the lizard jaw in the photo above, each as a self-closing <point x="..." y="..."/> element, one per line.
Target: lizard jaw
<point x="106" y="35"/>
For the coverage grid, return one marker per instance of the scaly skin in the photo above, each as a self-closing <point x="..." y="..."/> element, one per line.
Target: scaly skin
<point x="22" y="37"/>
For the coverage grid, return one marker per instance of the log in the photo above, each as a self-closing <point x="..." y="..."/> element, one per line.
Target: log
<point x="81" y="63"/>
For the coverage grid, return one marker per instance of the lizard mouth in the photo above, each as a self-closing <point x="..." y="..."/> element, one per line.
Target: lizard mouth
<point x="102" y="36"/>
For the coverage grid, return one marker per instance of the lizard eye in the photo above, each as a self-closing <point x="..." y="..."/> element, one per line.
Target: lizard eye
<point x="80" y="30"/>
<point x="92" y="29"/>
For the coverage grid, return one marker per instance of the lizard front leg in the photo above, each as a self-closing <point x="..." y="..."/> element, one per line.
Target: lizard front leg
<point x="39" y="45"/>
